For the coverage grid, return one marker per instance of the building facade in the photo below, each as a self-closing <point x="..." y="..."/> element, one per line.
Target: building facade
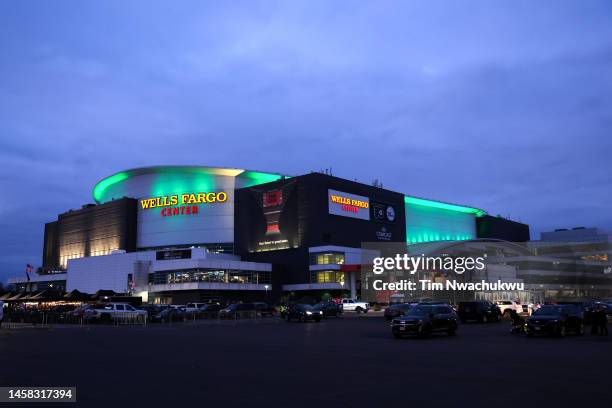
<point x="194" y="233"/>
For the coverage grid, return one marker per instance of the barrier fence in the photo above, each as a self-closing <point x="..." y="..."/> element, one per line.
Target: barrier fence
<point x="43" y="319"/>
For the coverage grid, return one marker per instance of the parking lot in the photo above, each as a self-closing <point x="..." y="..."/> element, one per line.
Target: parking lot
<point x="347" y="362"/>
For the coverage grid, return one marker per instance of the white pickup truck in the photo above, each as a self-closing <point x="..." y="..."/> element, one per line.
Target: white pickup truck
<point x="351" y="305"/>
<point x="506" y="305"/>
<point x="107" y="312"/>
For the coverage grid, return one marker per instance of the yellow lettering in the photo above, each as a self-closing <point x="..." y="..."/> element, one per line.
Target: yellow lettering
<point x="187" y="198"/>
<point x="221" y="197"/>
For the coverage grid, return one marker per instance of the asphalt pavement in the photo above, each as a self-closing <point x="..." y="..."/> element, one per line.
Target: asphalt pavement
<point x="347" y="362"/>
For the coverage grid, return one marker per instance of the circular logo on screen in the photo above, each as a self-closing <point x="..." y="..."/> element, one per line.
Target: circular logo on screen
<point x="390" y="213"/>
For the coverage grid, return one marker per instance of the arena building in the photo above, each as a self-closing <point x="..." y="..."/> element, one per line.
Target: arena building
<point x="187" y="233"/>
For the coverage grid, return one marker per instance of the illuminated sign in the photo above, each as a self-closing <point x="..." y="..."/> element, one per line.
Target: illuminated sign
<point x="272" y="203"/>
<point x="280" y="231"/>
<point x="383" y="212"/>
<point x="182" y="204"/>
<point x="348" y="205"/>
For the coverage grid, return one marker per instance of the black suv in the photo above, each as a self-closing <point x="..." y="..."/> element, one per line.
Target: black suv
<point x="479" y="310"/>
<point x="328" y="309"/>
<point x="556" y="320"/>
<point x="423" y="320"/>
<point x="303" y="313"/>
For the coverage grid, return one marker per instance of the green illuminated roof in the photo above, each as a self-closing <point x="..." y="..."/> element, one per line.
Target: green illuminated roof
<point x="102" y="185"/>
<point x="252" y="177"/>
<point x="444" y="206"/>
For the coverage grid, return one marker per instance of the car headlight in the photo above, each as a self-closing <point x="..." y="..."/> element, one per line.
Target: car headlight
<point x="308" y="313"/>
<point x="321" y="312"/>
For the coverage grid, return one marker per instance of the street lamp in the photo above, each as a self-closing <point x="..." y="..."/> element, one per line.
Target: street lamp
<point x="266" y="287"/>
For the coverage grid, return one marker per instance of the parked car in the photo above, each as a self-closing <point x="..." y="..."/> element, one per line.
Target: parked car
<point x="506" y="305"/>
<point x="152" y="310"/>
<point x="79" y="312"/>
<point x="351" y="305"/>
<point x="302" y="313"/>
<point x="194" y="307"/>
<point x="107" y="312"/>
<point x="557" y="320"/>
<point x="423" y="320"/>
<point x="168" y="315"/>
<point x="434" y="302"/>
<point x="479" y="310"/>
<point x="396" y="310"/>
<point x="238" y="310"/>
<point x="328" y="308"/>
<point x="211" y="308"/>
<point x="264" y="309"/>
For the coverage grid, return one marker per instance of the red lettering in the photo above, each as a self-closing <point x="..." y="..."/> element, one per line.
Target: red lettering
<point x="181" y="210"/>
<point x="350" y="208"/>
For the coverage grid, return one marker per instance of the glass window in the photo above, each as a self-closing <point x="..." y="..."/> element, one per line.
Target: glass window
<point x="340" y="277"/>
<point x="119" y="307"/>
<point x="329" y="277"/>
<point x="327" y="258"/>
<point x="211" y="275"/>
<point x="325" y="277"/>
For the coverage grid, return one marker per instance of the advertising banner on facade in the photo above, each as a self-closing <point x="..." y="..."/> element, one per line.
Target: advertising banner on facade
<point x="348" y="205"/>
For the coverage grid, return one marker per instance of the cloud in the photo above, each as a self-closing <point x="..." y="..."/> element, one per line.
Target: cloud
<point x="504" y="106"/>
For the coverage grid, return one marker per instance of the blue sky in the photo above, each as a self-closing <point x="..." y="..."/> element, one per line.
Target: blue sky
<point x="504" y="105"/>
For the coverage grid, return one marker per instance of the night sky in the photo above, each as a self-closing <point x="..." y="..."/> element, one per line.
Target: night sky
<point x="503" y="105"/>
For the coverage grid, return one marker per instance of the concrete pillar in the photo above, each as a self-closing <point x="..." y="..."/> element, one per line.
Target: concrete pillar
<point x="353" y="285"/>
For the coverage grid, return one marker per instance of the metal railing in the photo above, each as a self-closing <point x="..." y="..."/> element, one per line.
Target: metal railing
<point x="44" y="319"/>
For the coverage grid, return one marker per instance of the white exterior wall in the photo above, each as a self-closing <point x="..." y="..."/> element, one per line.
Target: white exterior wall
<point x="214" y="223"/>
<point x="111" y="271"/>
<point x="103" y="272"/>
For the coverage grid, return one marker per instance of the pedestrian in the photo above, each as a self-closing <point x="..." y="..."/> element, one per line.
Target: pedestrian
<point x="603" y="320"/>
<point x="595" y="321"/>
